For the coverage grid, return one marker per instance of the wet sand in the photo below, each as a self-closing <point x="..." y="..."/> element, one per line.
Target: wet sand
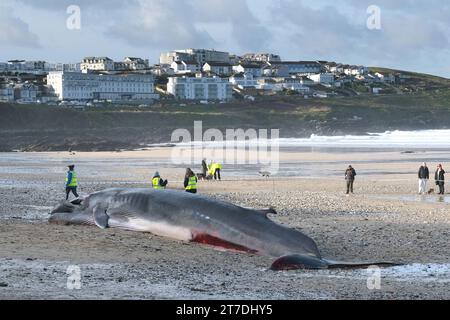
<point x="383" y="220"/>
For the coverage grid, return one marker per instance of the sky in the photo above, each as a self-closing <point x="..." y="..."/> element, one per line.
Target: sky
<point x="413" y="35"/>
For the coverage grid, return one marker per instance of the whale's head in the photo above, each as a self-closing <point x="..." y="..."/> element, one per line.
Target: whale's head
<point x="67" y="211"/>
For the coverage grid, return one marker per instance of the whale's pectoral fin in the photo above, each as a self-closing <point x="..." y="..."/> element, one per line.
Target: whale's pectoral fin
<point x="100" y="217"/>
<point x="297" y="261"/>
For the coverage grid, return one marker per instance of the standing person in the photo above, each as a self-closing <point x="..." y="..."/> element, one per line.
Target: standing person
<point x="424" y="176"/>
<point x="217" y="168"/>
<point x="350" y="175"/>
<point x="158" y="183"/>
<point x="71" y="182"/>
<point x="204" y="169"/>
<point x="190" y="181"/>
<point x="439" y="176"/>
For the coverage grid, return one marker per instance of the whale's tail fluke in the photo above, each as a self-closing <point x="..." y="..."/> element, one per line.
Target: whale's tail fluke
<point x="296" y="262"/>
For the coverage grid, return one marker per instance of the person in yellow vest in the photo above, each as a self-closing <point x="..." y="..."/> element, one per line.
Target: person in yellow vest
<point x="217" y="168"/>
<point x="158" y="183"/>
<point x="71" y="182"/>
<point x="190" y="181"/>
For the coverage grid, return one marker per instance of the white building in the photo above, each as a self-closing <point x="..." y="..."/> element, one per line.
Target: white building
<point x="184" y="66"/>
<point x="255" y="68"/>
<point x="262" y="57"/>
<point x="201" y="56"/>
<point x="89" y="86"/>
<point x="136" y="63"/>
<point x="97" y="64"/>
<point x="322" y="78"/>
<point x="301" y="67"/>
<point x="218" y="68"/>
<point x="70" y="67"/>
<point x="356" y="70"/>
<point x="200" y="88"/>
<point x="243" y="81"/>
<point x="282" y="84"/>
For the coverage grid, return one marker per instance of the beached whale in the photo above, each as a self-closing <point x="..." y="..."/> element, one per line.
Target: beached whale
<point x="194" y="218"/>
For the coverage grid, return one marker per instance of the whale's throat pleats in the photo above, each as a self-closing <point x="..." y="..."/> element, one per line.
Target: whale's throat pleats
<point x="207" y="239"/>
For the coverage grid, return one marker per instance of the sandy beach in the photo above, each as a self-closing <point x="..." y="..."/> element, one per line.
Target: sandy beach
<point x="384" y="220"/>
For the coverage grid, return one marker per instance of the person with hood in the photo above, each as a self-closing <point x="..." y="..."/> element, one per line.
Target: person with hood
<point x="190" y="181"/>
<point x="439" y="176"/>
<point x="424" y="176"/>
<point x="350" y="175"/>
<point x="158" y="183"/>
<point x="71" y="182"/>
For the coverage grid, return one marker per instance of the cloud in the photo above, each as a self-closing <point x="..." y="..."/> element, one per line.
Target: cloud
<point x="61" y="5"/>
<point x="161" y="23"/>
<point x="328" y="31"/>
<point x="15" y="32"/>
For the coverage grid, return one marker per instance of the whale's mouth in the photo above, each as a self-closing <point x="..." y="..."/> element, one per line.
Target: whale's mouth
<point x="68" y="207"/>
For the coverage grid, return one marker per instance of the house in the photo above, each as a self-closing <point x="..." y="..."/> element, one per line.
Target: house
<point x="388" y="78"/>
<point x="355" y="70"/>
<point x="276" y="70"/>
<point x="6" y="92"/>
<point x="218" y="68"/>
<point x="280" y="84"/>
<point x="243" y="81"/>
<point x="322" y="78"/>
<point x="136" y="63"/>
<point x="97" y="64"/>
<point x="184" y="66"/>
<point x="91" y="86"/>
<point x="261" y="57"/>
<point x="254" y="68"/>
<point x="201" y="56"/>
<point x="200" y="88"/>
<point x="25" y="92"/>
<point x="301" y="67"/>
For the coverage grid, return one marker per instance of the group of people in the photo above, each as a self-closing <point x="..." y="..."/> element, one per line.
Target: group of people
<point x="190" y="181"/>
<point x="424" y="177"/>
<point x="211" y="171"/>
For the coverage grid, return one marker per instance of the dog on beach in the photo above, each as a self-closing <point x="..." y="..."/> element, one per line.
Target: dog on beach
<point x="431" y="191"/>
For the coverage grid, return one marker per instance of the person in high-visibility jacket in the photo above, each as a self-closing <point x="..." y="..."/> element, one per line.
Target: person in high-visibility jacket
<point x="71" y="182"/>
<point x="190" y="181"/>
<point x="214" y="170"/>
<point x="158" y="183"/>
<point x="217" y="167"/>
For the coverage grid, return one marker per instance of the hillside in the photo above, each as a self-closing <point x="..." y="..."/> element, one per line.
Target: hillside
<point x="43" y="128"/>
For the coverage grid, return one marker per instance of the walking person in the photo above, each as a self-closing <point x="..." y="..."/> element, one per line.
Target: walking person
<point x="190" y="181"/>
<point x="158" y="183"/>
<point x="71" y="182"/>
<point x="439" y="176"/>
<point x="350" y="175"/>
<point x="424" y="176"/>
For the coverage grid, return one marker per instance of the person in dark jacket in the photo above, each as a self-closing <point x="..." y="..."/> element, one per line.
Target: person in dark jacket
<point x="424" y="176"/>
<point x="190" y="181"/>
<point x="350" y="175"/>
<point x="439" y="177"/>
<point x="157" y="182"/>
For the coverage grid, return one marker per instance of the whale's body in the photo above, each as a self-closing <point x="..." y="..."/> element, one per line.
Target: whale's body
<point x="186" y="217"/>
